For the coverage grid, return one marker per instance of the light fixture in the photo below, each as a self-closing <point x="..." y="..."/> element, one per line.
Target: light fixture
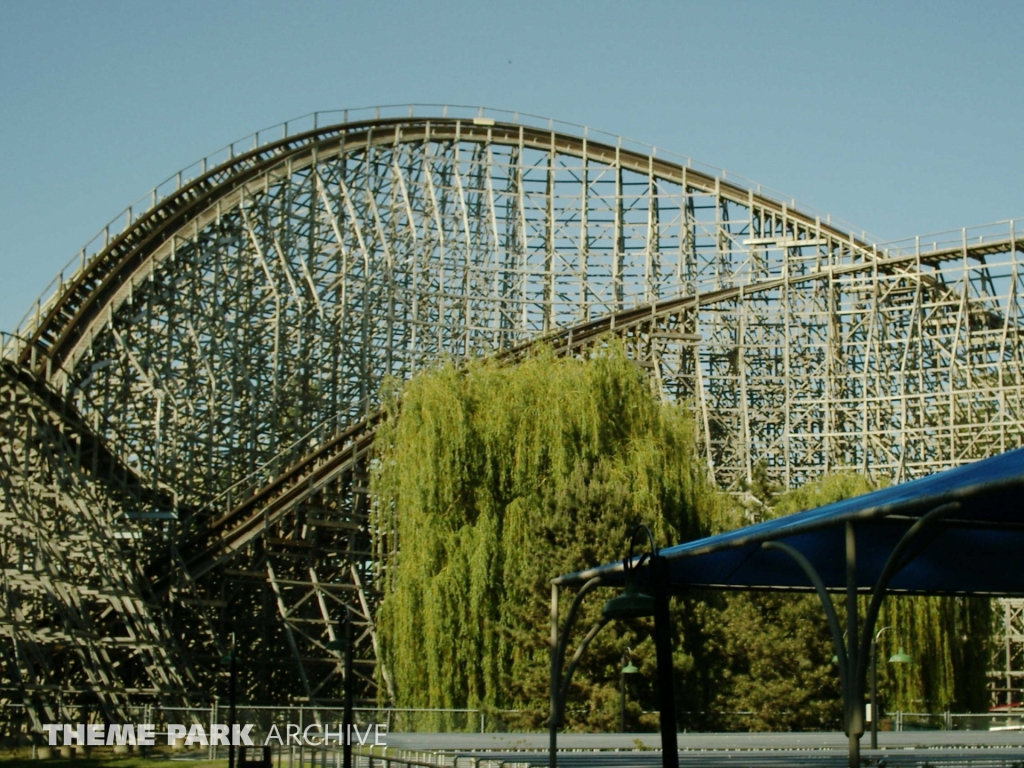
<point x="631" y="604"/>
<point x="900" y="657"/>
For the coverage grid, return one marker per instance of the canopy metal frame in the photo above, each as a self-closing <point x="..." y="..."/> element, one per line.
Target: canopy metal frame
<point x="905" y="534"/>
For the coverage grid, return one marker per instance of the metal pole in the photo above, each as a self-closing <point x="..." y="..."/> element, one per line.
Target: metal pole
<point x="214" y="714"/>
<point x="555" y="681"/>
<point x="347" y="743"/>
<point x="622" y="701"/>
<point x="855" y="706"/>
<point x="874" y="693"/>
<point x="663" y="649"/>
<point x="231" y="703"/>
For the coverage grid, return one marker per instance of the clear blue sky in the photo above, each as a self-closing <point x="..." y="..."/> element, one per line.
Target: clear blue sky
<point x="902" y="118"/>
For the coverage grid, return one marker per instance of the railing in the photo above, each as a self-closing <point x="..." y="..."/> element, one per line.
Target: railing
<point x="434" y="720"/>
<point x="370" y="755"/>
<point x="367" y="754"/>
<point x="318" y="120"/>
<point x="332" y="758"/>
<point x="954" y="721"/>
<point x="397" y="719"/>
<point x="949" y="239"/>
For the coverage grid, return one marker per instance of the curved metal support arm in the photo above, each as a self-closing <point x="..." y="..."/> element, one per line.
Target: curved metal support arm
<point x="826" y="603"/>
<point x="559" y="637"/>
<point x="570" y="617"/>
<point x="571" y="669"/>
<point x="893" y="566"/>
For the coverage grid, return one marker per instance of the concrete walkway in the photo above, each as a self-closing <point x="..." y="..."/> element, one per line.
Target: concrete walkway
<point x="977" y="749"/>
<point x="887" y="740"/>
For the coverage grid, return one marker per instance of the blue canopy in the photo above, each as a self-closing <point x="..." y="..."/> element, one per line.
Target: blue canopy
<point x="978" y="548"/>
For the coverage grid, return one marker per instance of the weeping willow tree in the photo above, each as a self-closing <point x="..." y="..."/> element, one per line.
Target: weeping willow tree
<point x="490" y="479"/>
<point x="496" y="478"/>
<point x="950" y="641"/>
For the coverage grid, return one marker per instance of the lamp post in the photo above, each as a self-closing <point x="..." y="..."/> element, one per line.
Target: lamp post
<point x="900" y="657"/>
<point x="345" y="645"/>
<point x="627" y="669"/>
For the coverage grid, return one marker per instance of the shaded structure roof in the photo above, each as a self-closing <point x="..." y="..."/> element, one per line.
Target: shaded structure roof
<point x="975" y="548"/>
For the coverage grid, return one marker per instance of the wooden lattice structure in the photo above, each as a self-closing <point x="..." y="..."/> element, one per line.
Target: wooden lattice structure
<point x="189" y="407"/>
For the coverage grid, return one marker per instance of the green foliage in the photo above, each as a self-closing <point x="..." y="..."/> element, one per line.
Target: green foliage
<point x="775" y="652"/>
<point x="497" y="478"/>
<point x="826" y="490"/>
<point x="950" y="640"/>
